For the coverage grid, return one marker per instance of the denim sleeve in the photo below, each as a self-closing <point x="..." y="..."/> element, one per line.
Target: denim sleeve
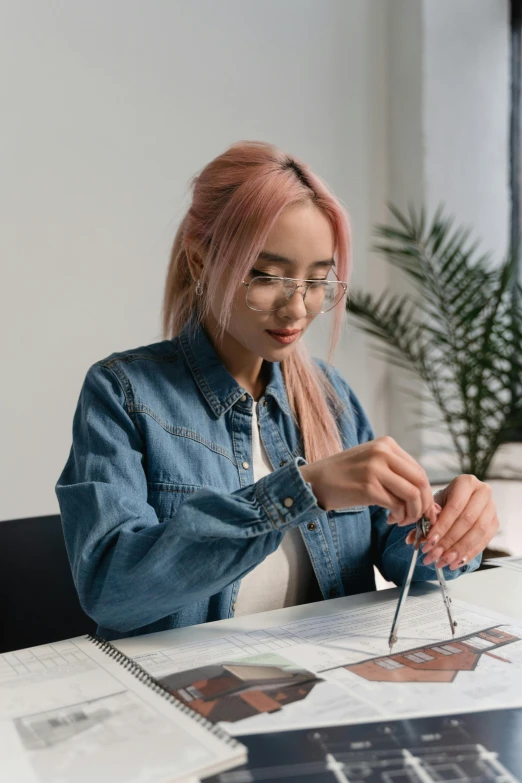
<point x="129" y="569"/>
<point x="391" y="554"/>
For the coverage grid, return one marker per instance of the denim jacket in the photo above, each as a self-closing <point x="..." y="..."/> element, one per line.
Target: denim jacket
<point x="160" y="511"/>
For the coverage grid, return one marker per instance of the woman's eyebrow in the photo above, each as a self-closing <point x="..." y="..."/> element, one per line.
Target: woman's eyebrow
<point x="265" y="255"/>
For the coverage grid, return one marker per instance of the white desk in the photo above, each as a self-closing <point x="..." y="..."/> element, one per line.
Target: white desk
<point x="497" y="589"/>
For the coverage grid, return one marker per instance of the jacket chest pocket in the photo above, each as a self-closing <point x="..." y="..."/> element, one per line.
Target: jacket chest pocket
<point x="167" y="498"/>
<point x="180" y="459"/>
<point x="352" y="535"/>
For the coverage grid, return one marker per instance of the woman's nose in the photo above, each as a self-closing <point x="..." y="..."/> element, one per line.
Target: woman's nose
<point x="295" y="305"/>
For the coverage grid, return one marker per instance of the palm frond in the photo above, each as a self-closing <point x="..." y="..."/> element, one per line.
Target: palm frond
<point x="459" y="330"/>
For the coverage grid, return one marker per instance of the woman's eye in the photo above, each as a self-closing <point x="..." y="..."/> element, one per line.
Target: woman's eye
<point x="259" y="272"/>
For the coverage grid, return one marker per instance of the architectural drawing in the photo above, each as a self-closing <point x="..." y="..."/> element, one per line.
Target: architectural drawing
<point x="350" y="676"/>
<point x="118" y="716"/>
<point x="75" y="710"/>
<point x="436" y="663"/>
<point x="234" y="691"/>
<point x="474" y="748"/>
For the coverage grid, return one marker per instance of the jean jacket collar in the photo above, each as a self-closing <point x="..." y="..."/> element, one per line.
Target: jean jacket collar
<point x="219" y="388"/>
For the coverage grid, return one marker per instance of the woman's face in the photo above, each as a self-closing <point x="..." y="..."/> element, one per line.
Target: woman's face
<point x="301" y="237"/>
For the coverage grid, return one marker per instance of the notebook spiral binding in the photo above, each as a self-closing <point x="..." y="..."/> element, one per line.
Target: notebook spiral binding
<point x="141" y="674"/>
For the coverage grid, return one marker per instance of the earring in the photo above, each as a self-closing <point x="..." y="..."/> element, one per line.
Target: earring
<point x="199" y="288"/>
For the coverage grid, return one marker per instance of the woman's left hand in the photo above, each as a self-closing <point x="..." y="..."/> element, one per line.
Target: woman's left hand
<point x="467" y="523"/>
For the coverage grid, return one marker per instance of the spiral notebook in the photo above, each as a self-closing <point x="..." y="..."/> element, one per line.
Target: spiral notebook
<point x="80" y="710"/>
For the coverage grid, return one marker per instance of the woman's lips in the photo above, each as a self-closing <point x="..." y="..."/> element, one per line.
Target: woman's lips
<point x="285" y="339"/>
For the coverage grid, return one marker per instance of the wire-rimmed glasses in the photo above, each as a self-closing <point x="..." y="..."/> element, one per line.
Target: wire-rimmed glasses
<point x="266" y="294"/>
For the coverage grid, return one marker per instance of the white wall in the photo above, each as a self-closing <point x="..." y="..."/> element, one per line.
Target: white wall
<point x="108" y="108"/>
<point x="466" y="132"/>
<point x="466" y="114"/>
<point x="448" y="144"/>
<point x="405" y="149"/>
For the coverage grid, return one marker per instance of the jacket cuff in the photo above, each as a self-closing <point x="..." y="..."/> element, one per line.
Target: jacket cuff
<point x="286" y="499"/>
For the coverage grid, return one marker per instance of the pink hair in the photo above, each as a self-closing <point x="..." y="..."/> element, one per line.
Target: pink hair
<point x="237" y="198"/>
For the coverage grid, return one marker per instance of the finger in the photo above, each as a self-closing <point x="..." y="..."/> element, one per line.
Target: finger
<point x="467" y="519"/>
<point x="412" y="535"/>
<point x="399" y="452"/>
<point x="385" y="499"/>
<point x="420" y="499"/>
<point x="450" y="548"/>
<point x="432" y="515"/>
<point x="465" y="503"/>
<point x="433" y="510"/>
<point x="406" y="466"/>
<point x="441" y="494"/>
<point x="408" y="493"/>
<point x="492" y="526"/>
<point x="476" y="539"/>
<point x="391" y="446"/>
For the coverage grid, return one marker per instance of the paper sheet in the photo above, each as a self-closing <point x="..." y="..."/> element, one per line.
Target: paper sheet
<point x="514" y="562"/>
<point x="479" y="747"/>
<point x="337" y="668"/>
<point x="68" y="712"/>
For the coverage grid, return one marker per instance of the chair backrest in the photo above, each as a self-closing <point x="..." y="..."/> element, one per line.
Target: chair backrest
<point x="38" y="600"/>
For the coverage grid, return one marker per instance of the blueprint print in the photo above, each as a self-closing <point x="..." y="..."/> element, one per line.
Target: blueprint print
<point x="482" y="747"/>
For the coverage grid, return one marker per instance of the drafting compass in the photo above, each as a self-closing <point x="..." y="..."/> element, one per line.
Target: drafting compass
<point x="422" y="530"/>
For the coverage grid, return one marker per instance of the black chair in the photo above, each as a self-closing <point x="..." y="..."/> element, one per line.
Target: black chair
<point x="38" y="600"/>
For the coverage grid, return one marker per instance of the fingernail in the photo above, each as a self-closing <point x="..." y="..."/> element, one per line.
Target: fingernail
<point x="430" y="543"/>
<point x="447" y="559"/>
<point x="459" y="564"/>
<point x="434" y="555"/>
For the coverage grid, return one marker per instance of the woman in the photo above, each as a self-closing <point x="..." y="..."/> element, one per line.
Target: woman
<point x="224" y="471"/>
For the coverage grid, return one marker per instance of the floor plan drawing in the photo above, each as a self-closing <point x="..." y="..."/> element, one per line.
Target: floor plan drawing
<point x="474" y="748"/>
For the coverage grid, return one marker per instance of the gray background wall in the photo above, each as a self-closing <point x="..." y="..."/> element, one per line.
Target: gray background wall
<point x="109" y="108"/>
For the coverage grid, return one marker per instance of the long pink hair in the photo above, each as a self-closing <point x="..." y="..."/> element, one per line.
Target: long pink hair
<point x="237" y="198"/>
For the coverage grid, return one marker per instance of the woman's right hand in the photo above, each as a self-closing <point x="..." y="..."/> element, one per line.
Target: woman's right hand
<point x="377" y="472"/>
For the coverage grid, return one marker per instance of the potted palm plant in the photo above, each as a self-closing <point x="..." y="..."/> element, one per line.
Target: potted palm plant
<point x="458" y="329"/>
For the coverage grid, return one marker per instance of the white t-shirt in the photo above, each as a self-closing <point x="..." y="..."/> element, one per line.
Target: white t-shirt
<point x="285" y="576"/>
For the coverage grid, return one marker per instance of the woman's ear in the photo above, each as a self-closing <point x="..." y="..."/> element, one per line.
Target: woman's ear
<point x="195" y="261"/>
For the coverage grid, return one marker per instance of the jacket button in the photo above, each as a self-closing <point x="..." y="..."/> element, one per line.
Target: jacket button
<point x="265" y="403"/>
<point x="245" y="465"/>
<point x="243" y="398"/>
<point x="311" y="526"/>
<point x="283" y="462"/>
<point x="288" y="502"/>
<point x="333" y="593"/>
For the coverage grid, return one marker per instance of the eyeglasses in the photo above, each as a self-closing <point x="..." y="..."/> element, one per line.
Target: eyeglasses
<point x="266" y="294"/>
